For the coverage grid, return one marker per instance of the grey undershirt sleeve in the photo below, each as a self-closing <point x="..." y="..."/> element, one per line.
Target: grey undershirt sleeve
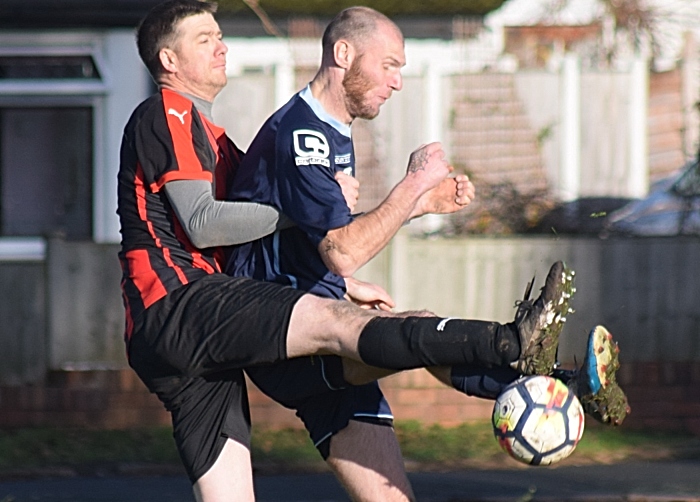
<point x="209" y="222"/>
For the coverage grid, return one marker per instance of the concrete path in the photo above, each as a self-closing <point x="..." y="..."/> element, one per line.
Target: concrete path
<point x="629" y="482"/>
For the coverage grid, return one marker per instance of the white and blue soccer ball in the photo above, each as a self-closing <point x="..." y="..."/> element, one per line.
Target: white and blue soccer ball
<point x="537" y="420"/>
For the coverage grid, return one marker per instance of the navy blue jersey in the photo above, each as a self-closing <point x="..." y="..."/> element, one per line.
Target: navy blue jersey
<point x="291" y="165"/>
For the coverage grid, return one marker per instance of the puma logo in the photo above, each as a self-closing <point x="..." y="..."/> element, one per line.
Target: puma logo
<point x="181" y="116"/>
<point x="441" y="325"/>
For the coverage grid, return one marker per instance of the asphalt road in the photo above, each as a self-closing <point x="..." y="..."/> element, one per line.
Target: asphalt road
<point x="638" y="482"/>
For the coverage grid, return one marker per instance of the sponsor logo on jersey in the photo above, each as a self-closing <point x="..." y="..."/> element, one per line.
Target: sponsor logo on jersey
<point x="342" y="159"/>
<point x="311" y="147"/>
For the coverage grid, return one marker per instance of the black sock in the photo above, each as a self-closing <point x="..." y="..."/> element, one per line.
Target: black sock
<point x="564" y="375"/>
<point x="415" y="342"/>
<point x="487" y="383"/>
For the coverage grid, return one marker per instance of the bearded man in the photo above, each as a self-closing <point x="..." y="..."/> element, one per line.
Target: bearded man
<point x="293" y="165"/>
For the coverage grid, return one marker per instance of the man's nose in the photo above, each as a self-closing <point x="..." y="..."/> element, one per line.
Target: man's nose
<point x="396" y="82"/>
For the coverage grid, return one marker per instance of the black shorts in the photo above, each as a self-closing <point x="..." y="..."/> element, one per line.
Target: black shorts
<point x="314" y="387"/>
<point x="189" y="348"/>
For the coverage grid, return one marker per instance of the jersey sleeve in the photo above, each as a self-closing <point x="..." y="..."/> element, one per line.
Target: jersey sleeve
<point x="171" y="143"/>
<point x="308" y="191"/>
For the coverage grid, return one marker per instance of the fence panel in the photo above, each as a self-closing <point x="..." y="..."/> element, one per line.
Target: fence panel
<point x="85" y="314"/>
<point x="605" y="134"/>
<point x="643" y="290"/>
<point x="22" y="322"/>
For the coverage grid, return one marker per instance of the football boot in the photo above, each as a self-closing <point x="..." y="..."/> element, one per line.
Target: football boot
<point x="540" y="322"/>
<point x="594" y="383"/>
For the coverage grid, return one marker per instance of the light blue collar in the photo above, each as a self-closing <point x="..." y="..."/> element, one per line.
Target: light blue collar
<point x="322" y="114"/>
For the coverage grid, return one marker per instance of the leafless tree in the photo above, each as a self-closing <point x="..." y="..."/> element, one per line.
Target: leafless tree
<point x="654" y="24"/>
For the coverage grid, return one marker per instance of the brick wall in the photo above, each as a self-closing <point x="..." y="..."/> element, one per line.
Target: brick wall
<point x="491" y="133"/>
<point x="663" y="396"/>
<point x="114" y="399"/>
<point x="666" y="124"/>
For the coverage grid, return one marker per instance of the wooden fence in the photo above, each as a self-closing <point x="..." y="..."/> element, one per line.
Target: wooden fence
<point x="66" y="312"/>
<point x="63" y="360"/>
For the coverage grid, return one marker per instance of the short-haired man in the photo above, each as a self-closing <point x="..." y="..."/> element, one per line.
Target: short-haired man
<point x="190" y="329"/>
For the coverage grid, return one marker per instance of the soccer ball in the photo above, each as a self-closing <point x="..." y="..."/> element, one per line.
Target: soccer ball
<point x="537" y="420"/>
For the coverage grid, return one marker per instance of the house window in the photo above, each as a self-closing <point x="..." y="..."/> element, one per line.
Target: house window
<point x="46" y="171"/>
<point x="48" y="67"/>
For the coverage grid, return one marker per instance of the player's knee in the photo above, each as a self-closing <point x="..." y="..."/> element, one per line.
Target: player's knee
<point x="319" y="325"/>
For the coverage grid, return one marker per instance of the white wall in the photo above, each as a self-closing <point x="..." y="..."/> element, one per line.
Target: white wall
<point x="128" y="83"/>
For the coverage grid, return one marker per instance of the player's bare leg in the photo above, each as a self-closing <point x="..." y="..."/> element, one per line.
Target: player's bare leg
<point x="230" y="479"/>
<point x="323" y="326"/>
<point x="366" y="459"/>
<point x="320" y="326"/>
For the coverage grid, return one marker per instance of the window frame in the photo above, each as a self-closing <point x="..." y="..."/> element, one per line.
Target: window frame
<point x="37" y="93"/>
<point x="58" y="45"/>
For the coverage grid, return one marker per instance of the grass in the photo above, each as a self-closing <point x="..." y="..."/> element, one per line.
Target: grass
<point x="473" y="446"/>
<point x="26" y="452"/>
<point x="44" y="447"/>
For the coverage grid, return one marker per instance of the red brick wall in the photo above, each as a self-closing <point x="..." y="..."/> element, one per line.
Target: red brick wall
<point x="491" y="132"/>
<point x="666" y="124"/>
<point x="89" y="399"/>
<point x="662" y="395"/>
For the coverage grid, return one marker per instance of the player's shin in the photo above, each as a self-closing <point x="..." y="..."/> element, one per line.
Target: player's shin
<point x="414" y="342"/>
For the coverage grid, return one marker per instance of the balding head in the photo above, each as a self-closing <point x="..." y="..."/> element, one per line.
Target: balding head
<point x="358" y="26"/>
<point x="363" y="53"/>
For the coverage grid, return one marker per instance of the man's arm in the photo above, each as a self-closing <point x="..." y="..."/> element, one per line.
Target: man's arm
<point x="344" y="250"/>
<point x="209" y="222"/>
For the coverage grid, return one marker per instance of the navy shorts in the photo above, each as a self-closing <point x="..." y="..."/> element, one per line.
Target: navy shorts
<point x="314" y="387"/>
<point x="189" y="348"/>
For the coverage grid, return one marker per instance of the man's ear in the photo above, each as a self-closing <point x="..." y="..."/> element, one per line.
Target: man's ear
<point x="168" y="59"/>
<point x="343" y="54"/>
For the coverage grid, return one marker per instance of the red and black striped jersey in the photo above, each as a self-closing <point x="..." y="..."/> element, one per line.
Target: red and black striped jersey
<point x="165" y="139"/>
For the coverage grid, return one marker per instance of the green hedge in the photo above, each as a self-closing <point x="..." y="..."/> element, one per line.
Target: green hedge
<point x="324" y="8"/>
